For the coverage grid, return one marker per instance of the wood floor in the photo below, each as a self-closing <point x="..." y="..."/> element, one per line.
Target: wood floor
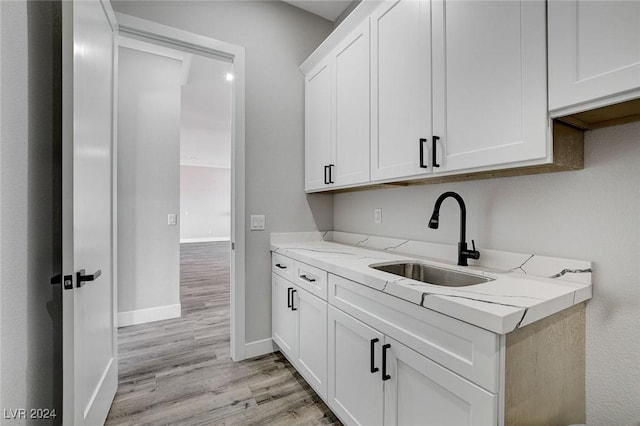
<point x="178" y="372"/>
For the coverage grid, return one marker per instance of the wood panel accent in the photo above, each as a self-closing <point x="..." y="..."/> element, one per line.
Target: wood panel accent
<point x="610" y="115"/>
<point x="568" y="154"/>
<point x="179" y="372"/>
<point x="545" y="371"/>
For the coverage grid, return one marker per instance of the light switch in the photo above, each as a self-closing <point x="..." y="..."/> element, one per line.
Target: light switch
<point x="377" y="215"/>
<point x="257" y="222"/>
<point x="172" y="219"/>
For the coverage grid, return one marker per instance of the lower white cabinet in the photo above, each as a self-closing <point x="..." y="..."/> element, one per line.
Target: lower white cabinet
<point x="420" y="392"/>
<point x="376" y="380"/>
<point x="377" y="360"/>
<point x="355" y="380"/>
<point x="283" y="318"/>
<point x="299" y="328"/>
<point x="311" y="359"/>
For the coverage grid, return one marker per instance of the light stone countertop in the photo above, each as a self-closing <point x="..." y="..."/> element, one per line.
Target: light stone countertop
<point x="512" y="300"/>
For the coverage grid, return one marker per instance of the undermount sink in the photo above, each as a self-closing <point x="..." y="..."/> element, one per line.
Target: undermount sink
<point x="431" y="274"/>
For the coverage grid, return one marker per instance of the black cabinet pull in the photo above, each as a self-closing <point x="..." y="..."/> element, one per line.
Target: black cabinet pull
<point x="331" y="166"/>
<point x="82" y="278"/>
<point x="373" y="343"/>
<point x="289" y="302"/>
<point x="422" y="142"/>
<point x="434" y="141"/>
<point x="281" y="266"/>
<point x="307" y="279"/>
<point x="385" y="376"/>
<point x="326" y="180"/>
<point x="293" y="308"/>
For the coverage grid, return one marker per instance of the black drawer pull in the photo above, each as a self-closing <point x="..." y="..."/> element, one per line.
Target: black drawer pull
<point x="307" y="279"/>
<point x="385" y="376"/>
<point x="422" y="142"/>
<point x="373" y="343"/>
<point x="281" y="266"/>
<point x="289" y="302"/>
<point x="434" y="141"/>
<point x="326" y="180"/>
<point x="82" y="278"/>
<point x="292" y="299"/>
<point x="331" y="166"/>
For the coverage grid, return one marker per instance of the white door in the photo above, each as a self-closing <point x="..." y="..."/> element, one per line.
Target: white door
<point x="421" y="392"/>
<point x="489" y="82"/>
<point x="312" y="340"/>
<point x="351" y="111"/>
<point x="594" y="50"/>
<point x="318" y="131"/>
<point x="89" y="324"/>
<point x="401" y="89"/>
<point x="355" y="378"/>
<point x="284" y="321"/>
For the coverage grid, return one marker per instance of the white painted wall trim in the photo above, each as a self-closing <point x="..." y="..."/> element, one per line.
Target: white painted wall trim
<point x="141" y="316"/>
<point x="203" y="240"/>
<point x="152" y="31"/>
<point x="259" y="347"/>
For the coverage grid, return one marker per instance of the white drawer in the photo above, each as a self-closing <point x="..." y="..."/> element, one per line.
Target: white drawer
<point x="467" y="350"/>
<point x="312" y="279"/>
<point x="283" y="266"/>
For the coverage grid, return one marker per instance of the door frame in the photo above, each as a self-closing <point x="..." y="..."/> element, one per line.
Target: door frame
<point x="148" y="31"/>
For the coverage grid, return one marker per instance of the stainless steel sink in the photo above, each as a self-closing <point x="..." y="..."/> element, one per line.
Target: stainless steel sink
<point x="431" y="274"/>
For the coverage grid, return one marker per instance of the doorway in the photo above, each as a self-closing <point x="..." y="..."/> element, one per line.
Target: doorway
<point x="187" y="49"/>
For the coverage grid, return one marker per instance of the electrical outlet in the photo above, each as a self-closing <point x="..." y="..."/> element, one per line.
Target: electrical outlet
<point x="377" y="215"/>
<point x="257" y="222"/>
<point x="172" y="219"/>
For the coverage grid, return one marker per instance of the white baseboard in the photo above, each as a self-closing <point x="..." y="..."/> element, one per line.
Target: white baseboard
<point x="203" y="240"/>
<point x="142" y="316"/>
<point x="259" y="347"/>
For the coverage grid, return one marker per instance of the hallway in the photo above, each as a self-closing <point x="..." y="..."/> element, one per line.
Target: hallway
<point x="178" y="371"/>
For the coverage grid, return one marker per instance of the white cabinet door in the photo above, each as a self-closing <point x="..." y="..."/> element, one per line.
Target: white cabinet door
<point x="283" y="318"/>
<point x="312" y="340"/>
<point x="318" y="126"/>
<point x="355" y="393"/>
<point x="421" y="392"/>
<point x="489" y="82"/>
<point x="400" y="89"/>
<point x="594" y="50"/>
<point x="351" y="111"/>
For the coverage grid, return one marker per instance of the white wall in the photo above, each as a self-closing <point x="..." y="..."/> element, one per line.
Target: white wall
<point x="148" y="182"/>
<point x="205" y="203"/>
<point x="277" y="38"/>
<point x="592" y="214"/>
<point x="30" y="203"/>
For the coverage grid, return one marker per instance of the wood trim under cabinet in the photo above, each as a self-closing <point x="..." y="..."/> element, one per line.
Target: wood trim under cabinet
<point x="568" y="154"/>
<point x="545" y="371"/>
<point x="611" y="115"/>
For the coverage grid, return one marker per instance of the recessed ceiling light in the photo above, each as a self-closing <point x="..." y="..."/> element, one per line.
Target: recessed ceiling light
<point x="229" y="76"/>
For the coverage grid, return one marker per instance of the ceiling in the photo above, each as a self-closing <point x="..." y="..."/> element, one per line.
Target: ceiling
<point x="328" y="9"/>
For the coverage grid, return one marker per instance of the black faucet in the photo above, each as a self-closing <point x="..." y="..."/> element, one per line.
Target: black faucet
<point x="463" y="252"/>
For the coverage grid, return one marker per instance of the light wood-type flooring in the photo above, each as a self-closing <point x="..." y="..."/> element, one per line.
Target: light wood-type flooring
<point x="178" y="371"/>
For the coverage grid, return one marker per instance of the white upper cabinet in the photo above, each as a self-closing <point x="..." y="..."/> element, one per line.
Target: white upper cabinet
<point x="489" y="82"/>
<point x="318" y="126"/>
<point x="400" y="89"/>
<point x="422" y="87"/>
<point x="351" y="110"/>
<point x="594" y="53"/>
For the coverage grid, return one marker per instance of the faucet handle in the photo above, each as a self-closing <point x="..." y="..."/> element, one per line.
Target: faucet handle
<point x="473" y="254"/>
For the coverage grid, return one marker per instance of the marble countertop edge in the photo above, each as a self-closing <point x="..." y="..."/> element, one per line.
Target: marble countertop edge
<point x="500" y="313"/>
